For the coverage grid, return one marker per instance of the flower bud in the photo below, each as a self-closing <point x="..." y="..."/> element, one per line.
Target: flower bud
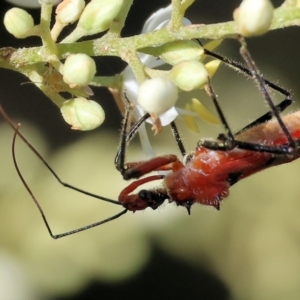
<point x="174" y="52"/>
<point x="189" y="75"/>
<point x="212" y="67"/>
<point x="212" y="45"/>
<point x="189" y="120"/>
<point x="254" y="17"/>
<point x="157" y="95"/>
<point x="79" y="70"/>
<point x="98" y="15"/>
<point x="19" y="23"/>
<point x="69" y="11"/>
<point x="203" y="112"/>
<point x="49" y="2"/>
<point x="82" y="114"/>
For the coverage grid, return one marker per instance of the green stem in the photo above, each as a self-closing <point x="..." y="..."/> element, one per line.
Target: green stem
<point x="112" y="46"/>
<point x="118" y="24"/>
<point x="49" y="44"/>
<point x="176" y="17"/>
<point x="107" y="81"/>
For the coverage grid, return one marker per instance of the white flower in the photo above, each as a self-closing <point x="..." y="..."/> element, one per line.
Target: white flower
<point x="156" y="21"/>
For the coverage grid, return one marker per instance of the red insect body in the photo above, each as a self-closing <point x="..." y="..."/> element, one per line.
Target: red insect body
<point x="206" y="178"/>
<point x="208" y="174"/>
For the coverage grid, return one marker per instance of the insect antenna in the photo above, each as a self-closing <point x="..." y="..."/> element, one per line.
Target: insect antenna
<point x="55" y="236"/>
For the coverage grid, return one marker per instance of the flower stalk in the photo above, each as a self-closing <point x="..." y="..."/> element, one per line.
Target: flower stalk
<point x="172" y="29"/>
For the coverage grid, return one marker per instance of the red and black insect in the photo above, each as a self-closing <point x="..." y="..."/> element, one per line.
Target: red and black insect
<point x="205" y="175"/>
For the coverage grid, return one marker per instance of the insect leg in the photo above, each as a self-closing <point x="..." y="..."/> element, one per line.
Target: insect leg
<point x="126" y="137"/>
<point x="242" y="69"/>
<point x="137" y="169"/>
<point x="267" y="116"/>
<point x="227" y="143"/>
<point x="178" y="138"/>
<point x="256" y="75"/>
<point x="55" y="236"/>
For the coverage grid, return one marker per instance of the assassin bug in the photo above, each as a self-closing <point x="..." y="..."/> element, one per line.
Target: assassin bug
<point x="206" y="174"/>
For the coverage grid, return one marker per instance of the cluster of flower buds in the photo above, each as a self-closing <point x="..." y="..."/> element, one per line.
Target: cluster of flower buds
<point x="78" y="70"/>
<point x="156" y="95"/>
<point x="188" y="72"/>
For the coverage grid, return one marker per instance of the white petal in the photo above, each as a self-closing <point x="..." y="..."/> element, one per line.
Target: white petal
<point x="153" y="23"/>
<point x="160" y="19"/>
<point x="169" y="116"/>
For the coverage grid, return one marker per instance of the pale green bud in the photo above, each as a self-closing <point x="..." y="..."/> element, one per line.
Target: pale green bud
<point x="157" y="95"/>
<point x="212" y="67"/>
<point x="19" y="23"/>
<point x="69" y="11"/>
<point x="212" y="45"/>
<point x="79" y="70"/>
<point x="177" y="51"/>
<point x="49" y="2"/>
<point x="82" y="114"/>
<point x="98" y="15"/>
<point x="189" y="75"/>
<point x="254" y="17"/>
<point x="203" y="112"/>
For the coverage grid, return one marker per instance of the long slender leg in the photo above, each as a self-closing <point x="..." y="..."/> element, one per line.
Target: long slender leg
<point x="178" y="138"/>
<point x="267" y="116"/>
<point x="247" y="72"/>
<point x="227" y="143"/>
<point x="17" y="132"/>
<point x="256" y="75"/>
<point x="240" y="68"/>
<point x="126" y="138"/>
<point x="56" y="236"/>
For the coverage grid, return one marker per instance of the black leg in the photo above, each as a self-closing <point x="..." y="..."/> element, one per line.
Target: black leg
<point x="262" y="87"/>
<point x="178" y="138"/>
<point x="268" y="116"/>
<point x="242" y="69"/>
<point x="54" y="236"/>
<point x="247" y="72"/>
<point x="126" y="137"/>
<point x="225" y="142"/>
<point x="228" y="142"/>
